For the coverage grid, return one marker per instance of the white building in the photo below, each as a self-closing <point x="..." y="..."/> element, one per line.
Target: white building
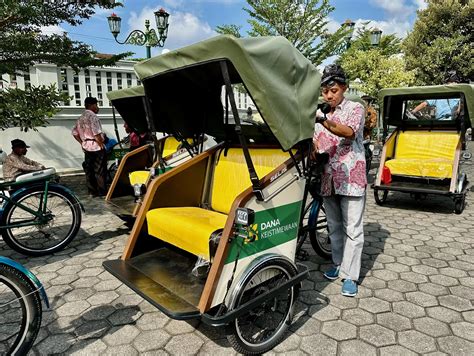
<point x="53" y="145"/>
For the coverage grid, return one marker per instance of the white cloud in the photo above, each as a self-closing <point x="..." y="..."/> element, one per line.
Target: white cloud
<point x="420" y="4"/>
<point x="399" y="27"/>
<point x="184" y="28"/>
<point x="52" y="30"/>
<point x="394" y="8"/>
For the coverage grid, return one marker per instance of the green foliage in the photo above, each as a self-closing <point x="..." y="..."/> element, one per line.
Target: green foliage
<point x="377" y="71"/>
<point x="302" y="22"/>
<point x="29" y="108"/>
<point x="441" y="40"/>
<point x="23" y="44"/>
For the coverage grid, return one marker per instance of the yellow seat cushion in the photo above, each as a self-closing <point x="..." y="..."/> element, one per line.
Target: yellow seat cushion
<point x="424" y="154"/>
<point x="188" y="228"/>
<point x="231" y="175"/>
<point x="170" y="146"/>
<point x="138" y="177"/>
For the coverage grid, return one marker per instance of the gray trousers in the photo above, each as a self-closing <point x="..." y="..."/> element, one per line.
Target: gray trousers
<point x="346" y="231"/>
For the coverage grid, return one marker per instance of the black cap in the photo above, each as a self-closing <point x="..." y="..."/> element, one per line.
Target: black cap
<point x="19" y="143"/>
<point x="90" y="100"/>
<point x="333" y="73"/>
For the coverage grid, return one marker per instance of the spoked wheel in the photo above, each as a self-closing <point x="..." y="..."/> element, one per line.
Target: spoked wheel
<point x="111" y="171"/>
<point x="52" y="231"/>
<point x="315" y="227"/>
<point x="380" y="196"/>
<point x="263" y="327"/>
<point x="20" y="312"/>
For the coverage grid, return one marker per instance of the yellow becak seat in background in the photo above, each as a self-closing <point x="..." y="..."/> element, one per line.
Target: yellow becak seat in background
<point x="428" y="154"/>
<point x="190" y="228"/>
<point x="171" y="146"/>
<point x="138" y="177"/>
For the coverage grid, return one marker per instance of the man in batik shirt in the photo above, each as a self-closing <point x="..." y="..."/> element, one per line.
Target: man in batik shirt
<point x="88" y="132"/>
<point x="344" y="180"/>
<point x="16" y="163"/>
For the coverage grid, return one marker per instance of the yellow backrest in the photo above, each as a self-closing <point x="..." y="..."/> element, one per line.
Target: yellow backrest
<point x="426" y="144"/>
<point x="231" y="175"/>
<point x="171" y="146"/>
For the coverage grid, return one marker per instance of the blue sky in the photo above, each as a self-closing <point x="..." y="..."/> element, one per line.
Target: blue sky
<point x="194" y="20"/>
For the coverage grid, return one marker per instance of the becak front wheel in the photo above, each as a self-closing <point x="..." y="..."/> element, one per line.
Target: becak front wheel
<point x="261" y="328"/>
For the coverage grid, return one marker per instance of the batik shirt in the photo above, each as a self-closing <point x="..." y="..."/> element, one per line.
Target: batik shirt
<point x="87" y="126"/>
<point x="15" y="165"/>
<point x="345" y="172"/>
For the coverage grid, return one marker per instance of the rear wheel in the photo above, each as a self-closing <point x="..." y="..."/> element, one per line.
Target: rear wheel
<point x="319" y="234"/>
<point x="263" y="327"/>
<point x="20" y="312"/>
<point x="380" y="196"/>
<point x="52" y="231"/>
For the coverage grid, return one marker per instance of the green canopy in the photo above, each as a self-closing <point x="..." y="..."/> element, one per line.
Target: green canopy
<point x="129" y="103"/>
<point x="185" y="86"/>
<point x="392" y="101"/>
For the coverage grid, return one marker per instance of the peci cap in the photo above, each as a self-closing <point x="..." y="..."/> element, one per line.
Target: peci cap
<point x="19" y="143"/>
<point x="333" y="73"/>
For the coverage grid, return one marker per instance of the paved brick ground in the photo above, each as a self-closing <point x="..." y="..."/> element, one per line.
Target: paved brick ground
<point x="416" y="295"/>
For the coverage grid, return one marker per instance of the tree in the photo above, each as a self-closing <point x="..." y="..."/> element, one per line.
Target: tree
<point x="377" y="67"/>
<point x="23" y="44"/>
<point x="441" y="41"/>
<point x="302" y="22"/>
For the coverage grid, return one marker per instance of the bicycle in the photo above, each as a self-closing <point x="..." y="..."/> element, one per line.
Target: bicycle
<point x="37" y="215"/>
<point x="20" y="307"/>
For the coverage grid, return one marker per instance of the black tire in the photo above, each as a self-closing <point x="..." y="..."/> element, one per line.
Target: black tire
<point x="20" y="312"/>
<point x="39" y="240"/>
<point x="319" y="235"/>
<point x="269" y="274"/>
<point x="459" y="205"/>
<point x="380" y="200"/>
<point x="111" y="171"/>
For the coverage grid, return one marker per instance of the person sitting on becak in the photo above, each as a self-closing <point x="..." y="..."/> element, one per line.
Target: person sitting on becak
<point x="16" y="163"/>
<point x="445" y="108"/>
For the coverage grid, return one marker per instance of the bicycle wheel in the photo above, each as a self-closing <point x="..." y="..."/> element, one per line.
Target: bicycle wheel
<point x="20" y="312"/>
<point x="53" y="231"/>
<point x="263" y="327"/>
<point x="319" y="233"/>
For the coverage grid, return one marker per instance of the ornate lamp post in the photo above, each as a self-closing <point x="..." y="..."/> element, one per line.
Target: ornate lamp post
<point x="350" y="26"/>
<point x="149" y="38"/>
<point x="375" y="36"/>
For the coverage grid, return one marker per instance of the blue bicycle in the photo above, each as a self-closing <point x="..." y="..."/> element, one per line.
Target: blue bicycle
<point x="20" y="307"/>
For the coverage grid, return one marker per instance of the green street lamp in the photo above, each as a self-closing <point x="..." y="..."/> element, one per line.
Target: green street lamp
<point x="149" y="38"/>
<point x="375" y="36"/>
<point x="349" y="25"/>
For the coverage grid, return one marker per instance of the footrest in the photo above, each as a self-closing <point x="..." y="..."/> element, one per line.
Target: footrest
<point x="164" y="279"/>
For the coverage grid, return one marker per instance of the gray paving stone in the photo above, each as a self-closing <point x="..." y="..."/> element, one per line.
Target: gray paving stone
<point x="319" y="345"/>
<point x="444" y="314"/>
<point x="152" y="321"/>
<point x="397" y="267"/>
<point x="394" y="321"/>
<point x="123" y="316"/>
<point x="463" y="292"/>
<point x="342" y="302"/>
<point x="77" y="294"/>
<point x="377" y="335"/>
<point x="73" y="308"/>
<point x="92" y="329"/>
<point x="408" y="309"/>
<point x="99" y="298"/>
<point x="357" y="317"/>
<point x="433" y="289"/>
<point x="469" y="316"/>
<point x="416" y="341"/>
<point x="422" y="299"/>
<point x="178" y="327"/>
<point x="151" y="340"/>
<point x="431" y="327"/>
<point x="339" y="330"/>
<point x="93" y="347"/>
<point x="456" y="303"/>
<point x="184" y="344"/>
<point x="373" y="283"/>
<point x="444" y="280"/>
<point x="402" y="286"/>
<point x="122" y="350"/>
<point x="356" y="347"/>
<point x="396" y="350"/>
<point x="329" y="312"/>
<point x="121" y="335"/>
<point x="55" y="344"/>
<point x="374" y="305"/>
<point x="290" y="343"/>
<point x="389" y="295"/>
<point x="306" y="326"/>
<point x="454" y="345"/>
<point x="464" y="330"/>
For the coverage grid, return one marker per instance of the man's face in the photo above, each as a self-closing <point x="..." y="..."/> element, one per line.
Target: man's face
<point x="334" y="94"/>
<point x="95" y="108"/>
<point x="20" y="151"/>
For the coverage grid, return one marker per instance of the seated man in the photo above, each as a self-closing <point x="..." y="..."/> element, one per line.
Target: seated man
<point x="16" y="163"/>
